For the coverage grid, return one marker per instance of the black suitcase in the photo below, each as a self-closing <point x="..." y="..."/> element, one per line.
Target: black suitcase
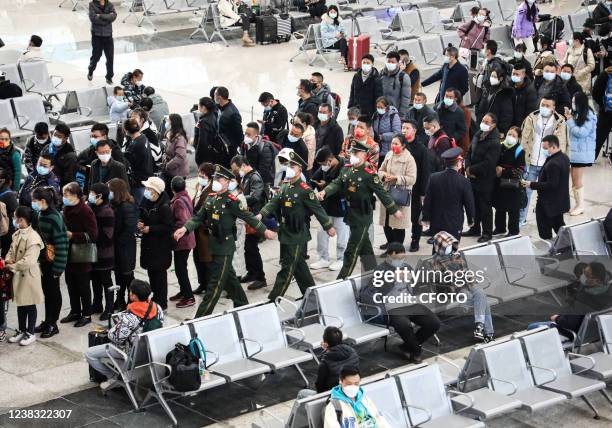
<point x="97" y="337"/>
<point x="265" y="29"/>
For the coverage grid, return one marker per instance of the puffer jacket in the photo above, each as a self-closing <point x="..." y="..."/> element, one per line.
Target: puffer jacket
<point x="102" y="18"/>
<point x="499" y="101"/>
<point x="582" y="139"/>
<point x="329" y="30"/>
<point x="118" y="109"/>
<point x="365" y="93"/>
<point x="228" y="12"/>
<point x="396" y="88"/>
<point x="182" y="211"/>
<point x="523" y="28"/>
<point x="385" y="127"/>
<point x="332" y="361"/>
<point x="159" y="111"/>
<point x="583" y="70"/>
<point x="131" y="90"/>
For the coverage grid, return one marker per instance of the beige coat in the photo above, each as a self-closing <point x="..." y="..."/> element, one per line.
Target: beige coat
<point x="404" y="168"/>
<point x="25" y="250"/>
<point x="582" y="70"/>
<point x="560" y="130"/>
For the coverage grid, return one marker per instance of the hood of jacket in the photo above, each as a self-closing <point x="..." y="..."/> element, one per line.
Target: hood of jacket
<point x="156" y="99"/>
<point x="339" y="353"/>
<point x="184" y="196"/>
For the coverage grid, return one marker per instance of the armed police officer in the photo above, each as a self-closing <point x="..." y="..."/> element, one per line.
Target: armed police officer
<point x="293" y="205"/>
<point x="359" y="182"/>
<point x="219" y="214"/>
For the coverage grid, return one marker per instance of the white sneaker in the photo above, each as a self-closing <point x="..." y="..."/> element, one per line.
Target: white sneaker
<point x="337" y="265"/>
<point x="106" y="384"/>
<point x="28" y="339"/>
<point x="17" y="337"/>
<point x="321" y="264"/>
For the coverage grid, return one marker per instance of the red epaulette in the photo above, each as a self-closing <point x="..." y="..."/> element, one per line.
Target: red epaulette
<point x="212" y="194"/>
<point x="232" y="197"/>
<point x="368" y="170"/>
<point x="304" y="186"/>
<point x="348" y="164"/>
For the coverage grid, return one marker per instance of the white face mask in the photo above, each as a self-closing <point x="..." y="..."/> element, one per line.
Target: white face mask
<point x="323" y="117"/>
<point x="545" y="111"/>
<point x="217" y="186"/>
<point x="366" y="68"/>
<point x="354" y="122"/>
<point x="232" y="186"/>
<point x="354" y="160"/>
<point x="248" y="141"/>
<point x="283" y="168"/>
<point x="548" y="76"/>
<point x="418" y="106"/>
<point x="391" y="66"/>
<point x="350" y="391"/>
<point x="565" y="76"/>
<point x="105" y="157"/>
<point x="494" y="81"/>
<point x="480" y="18"/>
<point x="203" y="181"/>
<point x="290" y="173"/>
<point x="429" y="132"/>
<point x="516" y="79"/>
<point x="333" y="15"/>
<point x="448" y="250"/>
<point x="583" y="279"/>
<point x="510" y="141"/>
<point x="241" y="173"/>
<point x="381" y="111"/>
<point x="518" y="55"/>
<point x="325" y="168"/>
<point x="484" y="127"/>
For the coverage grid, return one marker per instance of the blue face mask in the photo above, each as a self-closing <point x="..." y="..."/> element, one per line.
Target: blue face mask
<point x="56" y="141"/>
<point x="147" y="194"/>
<point x="36" y="206"/>
<point x="418" y="106"/>
<point x="110" y="195"/>
<point x="267" y="108"/>
<point x="42" y="170"/>
<point x="67" y="202"/>
<point x="92" y="199"/>
<point x="93" y="142"/>
<point x="15" y="224"/>
<point x="292" y="138"/>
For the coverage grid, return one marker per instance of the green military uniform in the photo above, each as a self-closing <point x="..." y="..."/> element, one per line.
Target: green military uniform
<point x="293" y="205"/>
<point x="358" y="185"/>
<point x="219" y="214"/>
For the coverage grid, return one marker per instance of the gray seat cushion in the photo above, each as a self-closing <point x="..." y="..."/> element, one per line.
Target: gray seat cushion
<point x="488" y="403"/>
<point x="313" y="334"/>
<point x="210" y="381"/>
<point x="279" y="358"/>
<point x="535" y="398"/>
<point x="574" y="386"/>
<point x="602" y="369"/>
<point x="505" y="292"/>
<point x="361" y="333"/>
<point x="239" y="369"/>
<point x="453" y="421"/>
<point x="541" y="283"/>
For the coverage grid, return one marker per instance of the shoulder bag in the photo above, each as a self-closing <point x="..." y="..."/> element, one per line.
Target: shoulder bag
<point x="86" y="252"/>
<point x="401" y="195"/>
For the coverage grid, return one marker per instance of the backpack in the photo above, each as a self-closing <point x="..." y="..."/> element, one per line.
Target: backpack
<point x="608" y="95"/>
<point x="435" y="160"/>
<point x="337" y="104"/>
<point x="4" y="218"/>
<point x="185" y="370"/>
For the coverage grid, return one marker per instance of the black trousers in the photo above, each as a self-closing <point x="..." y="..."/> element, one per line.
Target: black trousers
<point x="98" y="45"/>
<point x="342" y="46"/>
<point x="604" y="125"/>
<point x="53" y="295"/>
<point x="252" y="257"/>
<point x="182" y="274"/>
<point x="402" y="318"/>
<point x="159" y="286"/>
<point x="100" y="281"/>
<point x="393" y="235"/>
<point x="415" y="214"/>
<point x="124" y="279"/>
<point x="26" y="316"/>
<point x="202" y="269"/>
<point x="484" y="211"/>
<point x="547" y="224"/>
<point x="513" y="216"/>
<point x="79" y="293"/>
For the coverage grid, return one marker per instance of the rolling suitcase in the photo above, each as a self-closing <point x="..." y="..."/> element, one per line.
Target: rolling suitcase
<point x="283" y="28"/>
<point x="266" y="30"/>
<point x="97" y="337"/>
<point x="358" y="47"/>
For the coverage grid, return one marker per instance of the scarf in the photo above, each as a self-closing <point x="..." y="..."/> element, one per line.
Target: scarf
<point x="361" y="412"/>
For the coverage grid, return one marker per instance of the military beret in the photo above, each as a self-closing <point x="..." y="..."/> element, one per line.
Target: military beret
<point x="360" y="146"/>
<point x="221" y="171"/>
<point x="297" y="159"/>
<point x="452" y="154"/>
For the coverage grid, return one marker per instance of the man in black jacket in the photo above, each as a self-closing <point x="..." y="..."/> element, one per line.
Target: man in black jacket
<point x="329" y="166"/>
<point x="35" y="145"/>
<point x="451" y="75"/>
<point x="204" y="138"/>
<point x="480" y="164"/>
<point x="525" y="96"/>
<point x="452" y="119"/>
<point x="104" y="168"/>
<point x="604" y="117"/>
<point x="417" y="113"/>
<point x="366" y="87"/>
<point x="448" y="194"/>
<point x="259" y="153"/>
<point x="230" y="120"/>
<point x="336" y="355"/>
<point x="99" y="132"/>
<point x="292" y="139"/>
<point x="569" y="80"/>
<point x="307" y="102"/>
<point x="254" y="192"/>
<point x="7" y="88"/>
<point x="549" y="84"/>
<point x="275" y="117"/>
<point x="552" y="187"/>
<point x="419" y="153"/>
<point x="328" y="132"/>
<point x="102" y="14"/>
<point x="65" y="163"/>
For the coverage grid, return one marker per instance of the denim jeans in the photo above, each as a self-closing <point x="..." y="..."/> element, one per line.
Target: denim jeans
<point x="532" y="173"/>
<point x="342" y="233"/>
<point x="477" y="300"/>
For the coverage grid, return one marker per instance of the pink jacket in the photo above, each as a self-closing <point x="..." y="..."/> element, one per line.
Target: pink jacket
<point x="474" y="35"/>
<point x="182" y="211"/>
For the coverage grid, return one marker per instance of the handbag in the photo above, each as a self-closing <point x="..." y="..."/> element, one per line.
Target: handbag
<point x="509" y="183"/>
<point x="185" y="372"/>
<point x="83" y="252"/>
<point x="401" y="195"/>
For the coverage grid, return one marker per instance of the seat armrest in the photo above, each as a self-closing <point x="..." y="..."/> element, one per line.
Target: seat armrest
<point x="61" y="80"/>
<point x="339" y="319"/>
<point x="422" y="409"/>
<point x="246" y="339"/>
<point x="581" y="356"/>
<point x="469" y="397"/>
<point x="32" y="84"/>
<point x="167" y="366"/>
<point x="376" y="308"/>
<point x="506" y="382"/>
<point x="215" y="360"/>
<point x="554" y="373"/>
<point x="280" y="299"/>
<point x="300" y="331"/>
<point x="84" y="111"/>
<point x="22" y="125"/>
<point x="521" y="270"/>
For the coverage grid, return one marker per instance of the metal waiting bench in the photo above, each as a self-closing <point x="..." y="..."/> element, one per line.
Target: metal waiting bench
<point x="36" y="78"/>
<point x="85" y="107"/>
<point x="151" y="8"/>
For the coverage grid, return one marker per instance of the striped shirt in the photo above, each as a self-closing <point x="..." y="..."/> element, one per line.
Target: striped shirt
<point x="52" y="229"/>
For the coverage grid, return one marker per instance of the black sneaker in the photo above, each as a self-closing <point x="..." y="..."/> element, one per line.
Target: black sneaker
<point x="83" y="321"/>
<point x="89" y="77"/>
<point x="484" y="238"/>
<point x="383" y="246"/>
<point x="488" y="338"/>
<point x="109" y="81"/>
<point x="498" y="232"/>
<point x="430" y="241"/>
<point x="479" y="331"/>
<point x="471" y="232"/>
<point x="105" y="316"/>
<point x="70" y="318"/>
<point x="199" y="290"/>
<point x="428" y="232"/>
<point x="41" y="327"/>
<point x="414" y="246"/>
<point x="50" y="331"/>
<point x="176" y="298"/>
<point x="256" y="285"/>
<point x="247" y="278"/>
<point x="119" y="305"/>
<point x="97" y="309"/>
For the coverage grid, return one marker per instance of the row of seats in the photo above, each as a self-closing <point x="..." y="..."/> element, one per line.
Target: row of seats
<point x="150" y="8"/>
<point x="33" y="76"/>
<point x="19" y="115"/>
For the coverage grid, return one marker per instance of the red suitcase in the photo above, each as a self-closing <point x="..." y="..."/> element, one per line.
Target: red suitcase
<point x="357" y="48"/>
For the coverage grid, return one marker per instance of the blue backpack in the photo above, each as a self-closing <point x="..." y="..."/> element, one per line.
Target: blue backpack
<point x="196" y="347"/>
<point x="608" y="96"/>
